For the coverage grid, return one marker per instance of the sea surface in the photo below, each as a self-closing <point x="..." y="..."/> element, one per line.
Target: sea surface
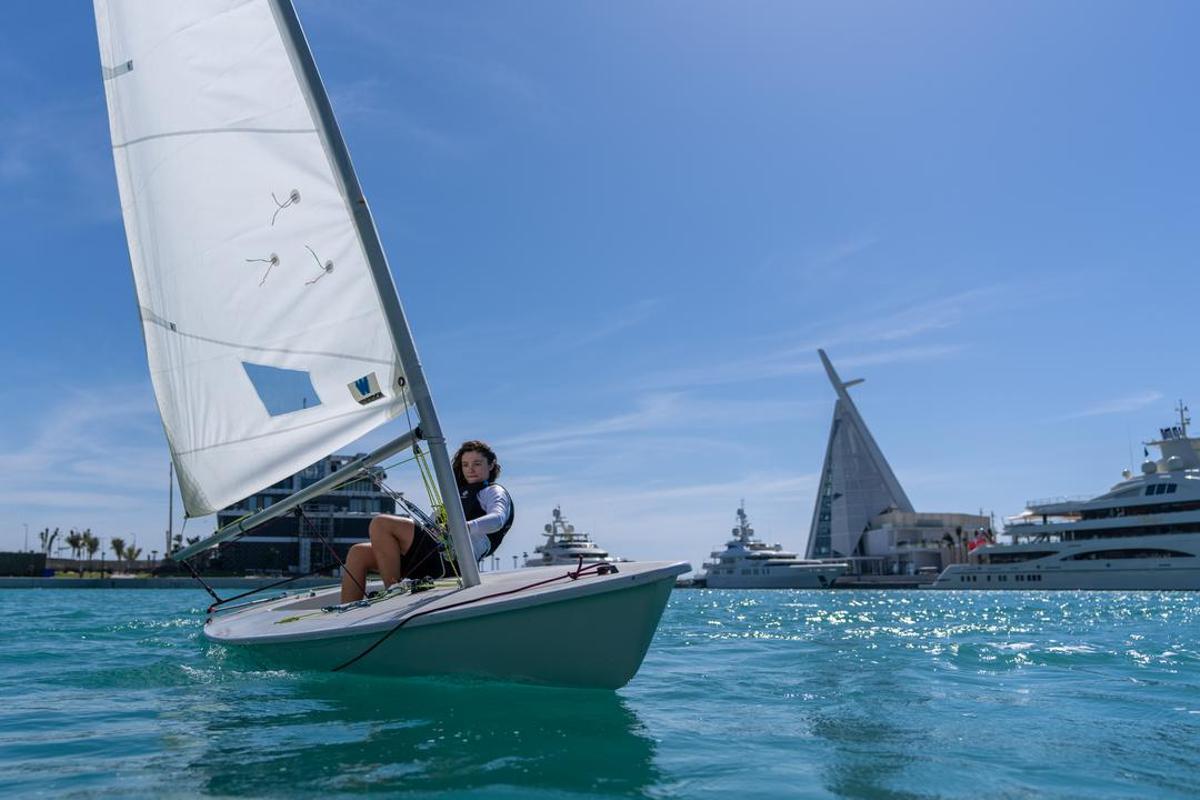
<point x="863" y="694"/>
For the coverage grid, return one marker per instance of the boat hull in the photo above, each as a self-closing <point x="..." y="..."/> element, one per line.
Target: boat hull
<point x="1156" y="578"/>
<point x="570" y="638"/>
<point x="807" y="577"/>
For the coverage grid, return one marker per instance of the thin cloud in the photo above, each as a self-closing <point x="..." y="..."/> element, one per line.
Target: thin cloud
<point x="493" y="82"/>
<point x="789" y="363"/>
<point x="575" y="333"/>
<point x="1119" y="405"/>
<point x="628" y="317"/>
<point x="55" y="145"/>
<point x="820" y="263"/>
<point x="374" y="101"/>
<point x="86" y="443"/>
<point x="870" y="326"/>
<point x="656" y="414"/>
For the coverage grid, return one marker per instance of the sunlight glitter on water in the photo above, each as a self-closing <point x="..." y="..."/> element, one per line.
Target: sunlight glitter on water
<point x="747" y="694"/>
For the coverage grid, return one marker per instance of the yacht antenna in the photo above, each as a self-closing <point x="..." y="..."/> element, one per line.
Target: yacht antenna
<point x="1184" y="419"/>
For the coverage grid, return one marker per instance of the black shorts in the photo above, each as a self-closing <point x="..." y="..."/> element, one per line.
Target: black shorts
<point x="425" y="558"/>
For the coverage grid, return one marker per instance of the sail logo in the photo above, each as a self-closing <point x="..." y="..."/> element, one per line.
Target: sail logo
<point x="365" y="389"/>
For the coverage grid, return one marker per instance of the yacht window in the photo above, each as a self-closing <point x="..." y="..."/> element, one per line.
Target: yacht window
<point x="1141" y="552"/>
<point x="1171" y="488"/>
<point x="1012" y="558"/>
<point x="1149" y="491"/>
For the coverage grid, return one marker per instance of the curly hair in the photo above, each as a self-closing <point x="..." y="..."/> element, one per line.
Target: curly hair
<point x="474" y="445"/>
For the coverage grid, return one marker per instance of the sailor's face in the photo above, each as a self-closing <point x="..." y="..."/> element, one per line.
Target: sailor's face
<point x="475" y="466"/>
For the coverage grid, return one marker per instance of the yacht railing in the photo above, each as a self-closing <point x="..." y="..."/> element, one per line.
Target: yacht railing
<point x="1055" y="501"/>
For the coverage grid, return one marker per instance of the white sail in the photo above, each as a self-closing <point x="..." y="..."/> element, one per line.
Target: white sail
<point x="268" y="344"/>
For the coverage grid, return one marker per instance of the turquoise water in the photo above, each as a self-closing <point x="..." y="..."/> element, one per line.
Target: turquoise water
<point x="743" y="694"/>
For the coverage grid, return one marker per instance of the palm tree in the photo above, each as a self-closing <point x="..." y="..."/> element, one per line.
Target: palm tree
<point x="47" y="539"/>
<point x="75" y="542"/>
<point x="91" y="544"/>
<point x="118" y="547"/>
<point x="132" y="554"/>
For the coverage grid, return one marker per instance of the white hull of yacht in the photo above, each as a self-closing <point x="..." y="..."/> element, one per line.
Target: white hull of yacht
<point x="1080" y="564"/>
<point x="806" y="576"/>
<point x="589" y="632"/>
<point x="569" y="561"/>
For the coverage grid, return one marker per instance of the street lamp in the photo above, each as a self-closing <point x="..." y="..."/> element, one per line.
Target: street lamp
<point x="26" y="524"/>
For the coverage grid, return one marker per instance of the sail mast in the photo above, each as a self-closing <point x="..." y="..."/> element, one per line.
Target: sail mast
<point x="417" y="388"/>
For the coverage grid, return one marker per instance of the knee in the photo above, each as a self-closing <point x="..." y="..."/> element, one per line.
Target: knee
<point x="383" y="524"/>
<point x="359" y="554"/>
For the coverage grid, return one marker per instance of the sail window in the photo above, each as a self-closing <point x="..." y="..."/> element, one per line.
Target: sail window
<point x="282" y="391"/>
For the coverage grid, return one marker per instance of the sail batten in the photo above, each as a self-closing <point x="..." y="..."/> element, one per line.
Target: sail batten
<point x="261" y="315"/>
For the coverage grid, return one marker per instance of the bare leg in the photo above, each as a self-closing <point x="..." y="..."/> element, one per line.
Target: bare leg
<point x="391" y="537"/>
<point x="359" y="561"/>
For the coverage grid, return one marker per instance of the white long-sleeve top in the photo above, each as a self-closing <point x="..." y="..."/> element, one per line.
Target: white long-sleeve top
<point x="497" y="507"/>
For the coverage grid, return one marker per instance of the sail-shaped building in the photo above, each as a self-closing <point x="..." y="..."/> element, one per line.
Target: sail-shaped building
<point x="862" y="514"/>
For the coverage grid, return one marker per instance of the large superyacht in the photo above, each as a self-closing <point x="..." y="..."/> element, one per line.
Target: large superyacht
<point x="750" y="563"/>
<point x="1143" y="533"/>
<point x="565" y="545"/>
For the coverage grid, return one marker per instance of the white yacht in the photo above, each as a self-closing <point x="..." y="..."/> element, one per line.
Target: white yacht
<point x="750" y="563"/>
<point x="565" y="545"/>
<point x="1143" y="533"/>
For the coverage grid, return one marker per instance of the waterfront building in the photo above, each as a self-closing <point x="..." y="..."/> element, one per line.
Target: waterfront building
<point x="294" y="544"/>
<point x="862" y="515"/>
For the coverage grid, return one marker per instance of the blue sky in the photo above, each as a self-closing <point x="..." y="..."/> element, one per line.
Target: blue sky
<point x="621" y="231"/>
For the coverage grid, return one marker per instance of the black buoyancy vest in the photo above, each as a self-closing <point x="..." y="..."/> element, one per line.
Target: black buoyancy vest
<point x="473" y="509"/>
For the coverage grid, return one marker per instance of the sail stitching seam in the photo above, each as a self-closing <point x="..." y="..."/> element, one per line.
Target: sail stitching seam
<point x="202" y="131"/>
<point x="156" y="320"/>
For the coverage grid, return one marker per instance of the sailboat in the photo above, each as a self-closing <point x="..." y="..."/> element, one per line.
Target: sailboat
<point x="275" y="336"/>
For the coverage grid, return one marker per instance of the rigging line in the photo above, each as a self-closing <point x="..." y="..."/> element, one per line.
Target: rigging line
<point x="332" y="551"/>
<point x="399" y="463"/>
<point x="439" y="506"/>
<point x="422" y="522"/>
<point x="256" y="590"/>
<point x="436" y="503"/>
<point x="578" y="573"/>
<point x="272" y="585"/>
<point x="207" y="588"/>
